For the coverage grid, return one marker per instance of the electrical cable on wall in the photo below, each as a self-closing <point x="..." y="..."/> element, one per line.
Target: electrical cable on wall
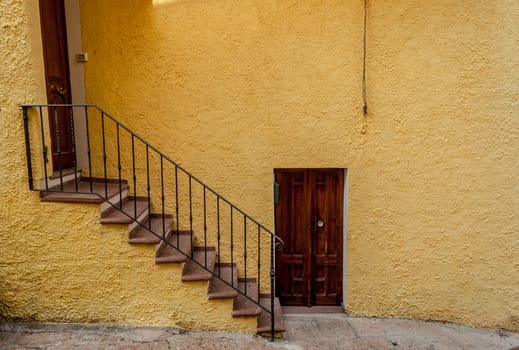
<point x="364" y="97"/>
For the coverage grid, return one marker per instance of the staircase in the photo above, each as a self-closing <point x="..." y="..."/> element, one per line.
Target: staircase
<point x="169" y="227"/>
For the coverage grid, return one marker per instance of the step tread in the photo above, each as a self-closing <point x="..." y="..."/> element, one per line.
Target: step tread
<point x="115" y="216"/>
<point x="264" y="319"/>
<point x="241" y="305"/>
<point x="142" y="235"/>
<point x="71" y="195"/>
<point x="168" y="253"/>
<point x="218" y="289"/>
<point x="64" y="172"/>
<point x="193" y="272"/>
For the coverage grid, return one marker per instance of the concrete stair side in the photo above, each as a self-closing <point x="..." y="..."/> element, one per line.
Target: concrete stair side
<point x="199" y="263"/>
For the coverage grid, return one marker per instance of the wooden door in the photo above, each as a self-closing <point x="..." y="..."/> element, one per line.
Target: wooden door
<point x="55" y="54"/>
<point x="309" y="220"/>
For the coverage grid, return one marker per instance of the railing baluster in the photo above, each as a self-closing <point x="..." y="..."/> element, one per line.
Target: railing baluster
<point x="191" y="215"/>
<point x="272" y="286"/>
<point x="119" y="167"/>
<point x="88" y="150"/>
<point x="176" y="207"/>
<point x="73" y="141"/>
<point x="245" y="251"/>
<point x="259" y="261"/>
<point x="58" y="145"/>
<point x="28" y="146"/>
<point x="205" y="230"/>
<point x="134" y="176"/>
<point x="218" y="232"/>
<point x="148" y="183"/>
<point x="104" y="152"/>
<point x="45" y="159"/>
<point x="232" y="248"/>
<point x="162" y="197"/>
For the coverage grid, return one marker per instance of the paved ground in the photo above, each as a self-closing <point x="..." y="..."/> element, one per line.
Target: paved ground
<point x="325" y="332"/>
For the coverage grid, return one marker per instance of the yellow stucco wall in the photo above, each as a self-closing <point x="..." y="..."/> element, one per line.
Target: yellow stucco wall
<point x="57" y="262"/>
<point x="233" y="89"/>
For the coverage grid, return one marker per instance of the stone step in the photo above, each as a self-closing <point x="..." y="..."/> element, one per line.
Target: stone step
<point x="126" y="214"/>
<point x="218" y="289"/>
<point x="264" y="319"/>
<point x="194" y="272"/>
<point x="243" y="306"/>
<point x="86" y="192"/>
<point x="169" y="252"/>
<point x="142" y="234"/>
<point x="56" y="179"/>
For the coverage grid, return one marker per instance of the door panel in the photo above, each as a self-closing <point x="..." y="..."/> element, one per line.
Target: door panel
<point x="309" y="220"/>
<point x="327" y="196"/>
<point x="55" y="54"/>
<point x="291" y="260"/>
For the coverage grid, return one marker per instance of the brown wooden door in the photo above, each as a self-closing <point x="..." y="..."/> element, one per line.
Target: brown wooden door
<point x="55" y="54"/>
<point x="309" y="220"/>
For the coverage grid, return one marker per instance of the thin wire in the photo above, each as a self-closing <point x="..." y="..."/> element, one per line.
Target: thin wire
<point x="364" y="95"/>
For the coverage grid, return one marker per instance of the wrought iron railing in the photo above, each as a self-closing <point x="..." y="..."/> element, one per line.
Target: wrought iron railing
<point x="111" y="152"/>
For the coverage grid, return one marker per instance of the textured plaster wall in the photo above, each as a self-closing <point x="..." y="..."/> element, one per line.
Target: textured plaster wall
<point x="233" y="89"/>
<point x="57" y="263"/>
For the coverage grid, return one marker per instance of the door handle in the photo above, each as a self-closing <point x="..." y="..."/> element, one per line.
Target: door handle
<point x="317" y="224"/>
<point x="60" y="90"/>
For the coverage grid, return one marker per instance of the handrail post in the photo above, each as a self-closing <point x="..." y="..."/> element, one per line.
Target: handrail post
<point x="88" y="151"/>
<point x="73" y="139"/>
<point x="104" y="153"/>
<point x="272" y="286"/>
<point x="28" y="146"/>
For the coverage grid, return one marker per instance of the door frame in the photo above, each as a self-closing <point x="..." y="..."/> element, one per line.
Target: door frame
<point x="76" y="73"/>
<point x="77" y="77"/>
<point x="344" y="223"/>
<point x="345" y="238"/>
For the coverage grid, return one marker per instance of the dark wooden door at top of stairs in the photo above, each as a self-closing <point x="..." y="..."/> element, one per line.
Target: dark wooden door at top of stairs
<point x="55" y="54"/>
<point x="309" y="220"/>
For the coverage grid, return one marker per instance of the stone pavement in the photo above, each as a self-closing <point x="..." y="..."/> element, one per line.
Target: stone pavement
<point x="325" y="332"/>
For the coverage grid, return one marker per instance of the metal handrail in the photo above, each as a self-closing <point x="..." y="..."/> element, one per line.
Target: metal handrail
<point x="160" y="153"/>
<point x="276" y="241"/>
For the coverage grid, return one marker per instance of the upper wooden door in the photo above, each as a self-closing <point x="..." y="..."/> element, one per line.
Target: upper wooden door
<point x="309" y="220"/>
<point x="55" y="54"/>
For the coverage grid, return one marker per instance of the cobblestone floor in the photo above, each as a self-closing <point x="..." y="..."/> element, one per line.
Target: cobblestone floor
<point x="327" y="332"/>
